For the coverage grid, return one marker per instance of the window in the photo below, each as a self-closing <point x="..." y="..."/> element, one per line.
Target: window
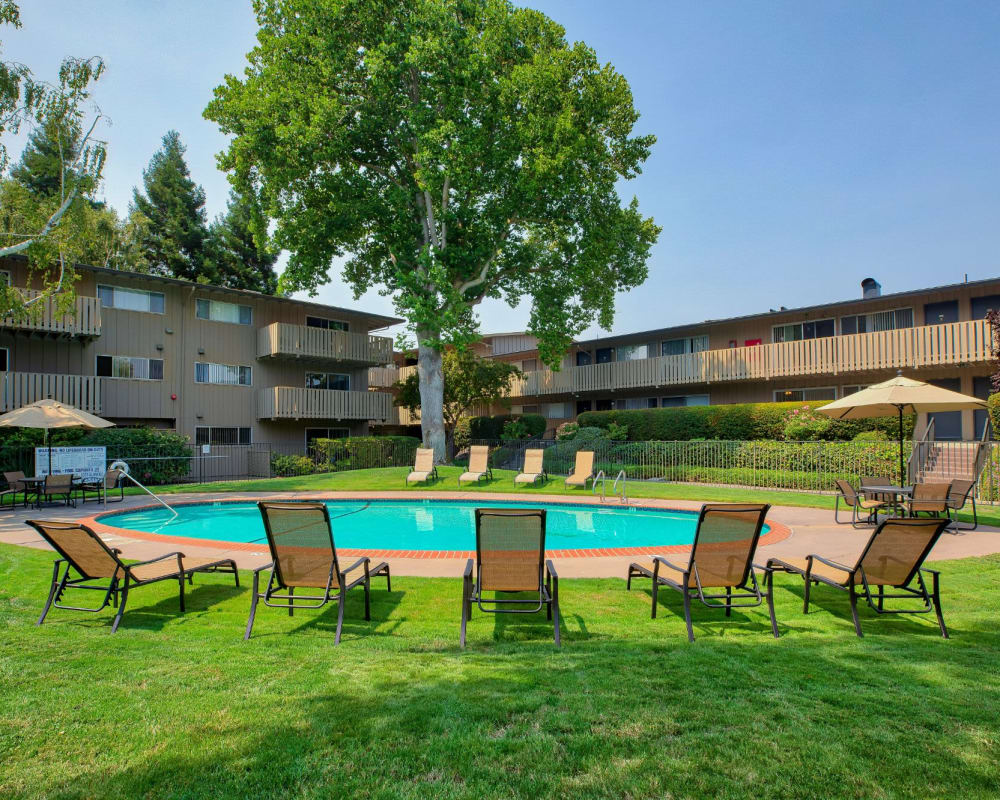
<point x="636" y="403"/>
<point x="529" y="365"/>
<point x="632" y="352"/>
<point x="582" y="406"/>
<point x="605" y="355"/>
<point x="980" y="305"/>
<point x="5" y="277"/>
<point x="679" y="347"/>
<point x="877" y="321"/>
<point x="4" y="359"/>
<point x="328" y="380"/>
<point x="140" y="369"/>
<point x="583" y="359"/>
<point x="604" y="405"/>
<point x="312" y="434"/>
<point x="204" y="434"/>
<point x="941" y="313"/>
<point x="800" y="395"/>
<point x="222" y="374"/>
<point x="131" y="299"/>
<point x="529" y="409"/>
<point x="556" y="410"/>
<point x="804" y="330"/>
<point x="681" y="401"/>
<point x="217" y="311"/>
<point x="853" y="389"/>
<point x="327" y="324"/>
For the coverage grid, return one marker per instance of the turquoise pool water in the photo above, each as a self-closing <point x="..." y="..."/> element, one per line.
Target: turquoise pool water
<point x="425" y="524"/>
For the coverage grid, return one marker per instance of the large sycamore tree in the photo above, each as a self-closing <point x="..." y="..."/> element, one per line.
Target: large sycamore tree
<point x="447" y="151"/>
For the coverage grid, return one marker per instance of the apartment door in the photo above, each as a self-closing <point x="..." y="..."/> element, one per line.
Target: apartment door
<point x="947" y="424"/>
<point x="981" y="305"/>
<point x="981" y="388"/>
<point x="940" y="313"/>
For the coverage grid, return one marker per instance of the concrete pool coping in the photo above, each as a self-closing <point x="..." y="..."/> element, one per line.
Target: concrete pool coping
<point x="809" y="530"/>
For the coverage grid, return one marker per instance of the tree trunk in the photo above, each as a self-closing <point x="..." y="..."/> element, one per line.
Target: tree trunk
<point x="431" y="395"/>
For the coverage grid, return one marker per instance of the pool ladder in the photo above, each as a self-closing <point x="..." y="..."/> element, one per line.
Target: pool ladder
<point x="123" y="474"/>
<point x="622" y="498"/>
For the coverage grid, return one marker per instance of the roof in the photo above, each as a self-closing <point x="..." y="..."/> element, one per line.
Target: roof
<point x="689" y="326"/>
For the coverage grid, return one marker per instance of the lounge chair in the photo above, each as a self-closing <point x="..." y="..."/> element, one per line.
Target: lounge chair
<point x="303" y="555"/>
<point x="479" y="465"/>
<point x="856" y="503"/>
<point x="6" y="494"/>
<point x="533" y="471"/>
<point x="423" y="466"/>
<point x="56" y="486"/>
<point x="15" y="482"/>
<point x="583" y="471"/>
<point x="721" y="558"/>
<point x="111" y="481"/>
<point x="961" y="493"/>
<point x="99" y="568"/>
<point x="930" y="499"/>
<point x="510" y="557"/>
<point x="893" y="557"/>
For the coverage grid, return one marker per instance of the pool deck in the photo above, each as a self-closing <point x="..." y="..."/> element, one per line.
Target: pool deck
<point x="796" y="532"/>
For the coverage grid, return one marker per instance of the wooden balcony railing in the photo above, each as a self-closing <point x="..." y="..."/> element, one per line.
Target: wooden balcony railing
<point x="20" y="388"/>
<point x="302" y="341"/>
<point x="291" y="402"/>
<point x="385" y="377"/>
<point x="84" y="321"/>
<point x="907" y="348"/>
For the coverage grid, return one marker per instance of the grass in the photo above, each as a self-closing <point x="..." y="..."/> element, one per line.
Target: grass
<point x="393" y="479"/>
<point x="179" y="706"/>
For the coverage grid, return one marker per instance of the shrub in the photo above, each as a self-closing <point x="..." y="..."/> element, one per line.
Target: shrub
<point x="567" y="431"/>
<point x="493" y="427"/>
<point x="364" y="452"/>
<point x="993" y="407"/>
<point x="871" y="436"/>
<point x="617" y="433"/>
<point x="805" y="425"/>
<point x="290" y="466"/>
<point x="737" y="422"/>
<point x="513" y="430"/>
<point x="461" y="435"/>
<point x="535" y="424"/>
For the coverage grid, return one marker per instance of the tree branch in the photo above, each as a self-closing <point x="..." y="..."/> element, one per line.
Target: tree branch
<point x="46" y="229"/>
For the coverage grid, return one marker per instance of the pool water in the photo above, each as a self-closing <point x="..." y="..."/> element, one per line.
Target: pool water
<point x="425" y="524"/>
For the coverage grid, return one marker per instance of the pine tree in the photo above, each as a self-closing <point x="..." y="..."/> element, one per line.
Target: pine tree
<point x="237" y="258"/>
<point x="50" y="149"/>
<point x="174" y="242"/>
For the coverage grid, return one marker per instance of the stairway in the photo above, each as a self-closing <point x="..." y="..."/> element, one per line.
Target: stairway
<point x="943" y="462"/>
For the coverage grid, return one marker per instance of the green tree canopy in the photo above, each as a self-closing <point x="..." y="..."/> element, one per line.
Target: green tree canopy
<point x="450" y="151"/>
<point x="239" y="248"/>
<point x="173" y="242"/>
<point x="50" y="146"/>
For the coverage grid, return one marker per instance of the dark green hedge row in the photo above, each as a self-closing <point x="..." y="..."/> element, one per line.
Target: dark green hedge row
<point x="492" y="427"/>
<point x="736" y="422"/>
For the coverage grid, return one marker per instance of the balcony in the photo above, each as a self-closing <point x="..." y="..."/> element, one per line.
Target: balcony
<point x="955" y="343"/>
<point x="84" y="322"/>
<point x="20" y="388"/>
<point x="385" y="377"/>
<point x="291" y="402"/>
<point x="283" y="340"/>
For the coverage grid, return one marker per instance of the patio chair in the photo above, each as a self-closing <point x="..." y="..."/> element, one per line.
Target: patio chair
<point x="99" y="568"/>
<point x="479" y="465"/>
<point x="510" y="557"/>
<point x="8" y="493"/>
<point x="856" y="503"/>
<point x="56" y="486"/>
<point x="930" y="499"/>
<point x="880" y="480"/>
<point x="583" y="470"/>
<point x="111" y="481"/>
<point x="893" y="557"/>
<point x="721" y="558"/>
<point x="423" y="466"/>
<point x="15" y="482"/>
<point x="961" y="493"/>
<point x="533" y="471"/>
<point x="300" y="539"/>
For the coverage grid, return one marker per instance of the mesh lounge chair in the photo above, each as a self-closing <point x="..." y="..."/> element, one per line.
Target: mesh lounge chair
<point x="510" y="557"/>
<point x="100" y="569"/>
<point x="721" y="558"/>
<point x="15" y="482"/>
<point x="10" y="494"/>
<point x="583" y="470"/>
<point x="111" y="481"/>
<point x="303" y="555"/>
<point x="57" y="486"/>
<point x="423" y="466"/>
<point x="533" y="471"/>
<point x="930" y="499"/>
<point x="856" y="503"/>
<point x="893" y="557"/>
<point x="479" y="465"/>
<point x="960" y="493"/>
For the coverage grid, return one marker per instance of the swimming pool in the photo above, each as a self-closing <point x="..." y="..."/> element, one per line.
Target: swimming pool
<point x="422" y="525"/>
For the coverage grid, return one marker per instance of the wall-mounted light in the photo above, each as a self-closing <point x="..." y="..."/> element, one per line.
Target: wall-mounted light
<point x="200" y="416"/>
<point x="201" y="351"/>
<point x="168" y="330"/>
<point x="159" y="347"/>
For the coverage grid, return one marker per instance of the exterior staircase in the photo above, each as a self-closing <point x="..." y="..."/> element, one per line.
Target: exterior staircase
<point x="943" y="462"/>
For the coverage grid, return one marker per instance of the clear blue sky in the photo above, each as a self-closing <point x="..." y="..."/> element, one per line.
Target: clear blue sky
<point x="802" y="146"/>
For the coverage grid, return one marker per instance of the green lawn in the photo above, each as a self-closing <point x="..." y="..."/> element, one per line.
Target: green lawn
<point x="393" y="479"/>
<point x="179" y="706"/>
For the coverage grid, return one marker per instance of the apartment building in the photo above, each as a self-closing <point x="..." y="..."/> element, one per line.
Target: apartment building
<point x="819" y="352"/>
<point x="221" y="366"/>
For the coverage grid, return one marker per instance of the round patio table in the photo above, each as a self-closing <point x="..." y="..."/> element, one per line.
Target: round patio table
<point x="899" y="493"/>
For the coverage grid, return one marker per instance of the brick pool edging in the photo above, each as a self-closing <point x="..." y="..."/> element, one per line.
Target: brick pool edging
<point x="777" y="531"/>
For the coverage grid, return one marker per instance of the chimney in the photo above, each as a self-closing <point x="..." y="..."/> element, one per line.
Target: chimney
<point x="870" y="288"/>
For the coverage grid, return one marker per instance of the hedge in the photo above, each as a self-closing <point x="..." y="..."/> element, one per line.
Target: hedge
<point x="740" y="421"/>
<point x="492" y="427"/>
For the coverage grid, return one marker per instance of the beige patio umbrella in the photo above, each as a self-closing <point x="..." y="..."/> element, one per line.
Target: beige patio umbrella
<point x="49" y="414"/>
<point x="898" y="396"/>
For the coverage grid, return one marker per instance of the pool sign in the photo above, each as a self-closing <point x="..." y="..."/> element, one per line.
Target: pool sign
<point x="87" y="463"/>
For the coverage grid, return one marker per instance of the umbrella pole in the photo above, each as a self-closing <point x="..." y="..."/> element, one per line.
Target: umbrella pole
<point x="901" y="476"/>
<point x="48" y="441"/>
